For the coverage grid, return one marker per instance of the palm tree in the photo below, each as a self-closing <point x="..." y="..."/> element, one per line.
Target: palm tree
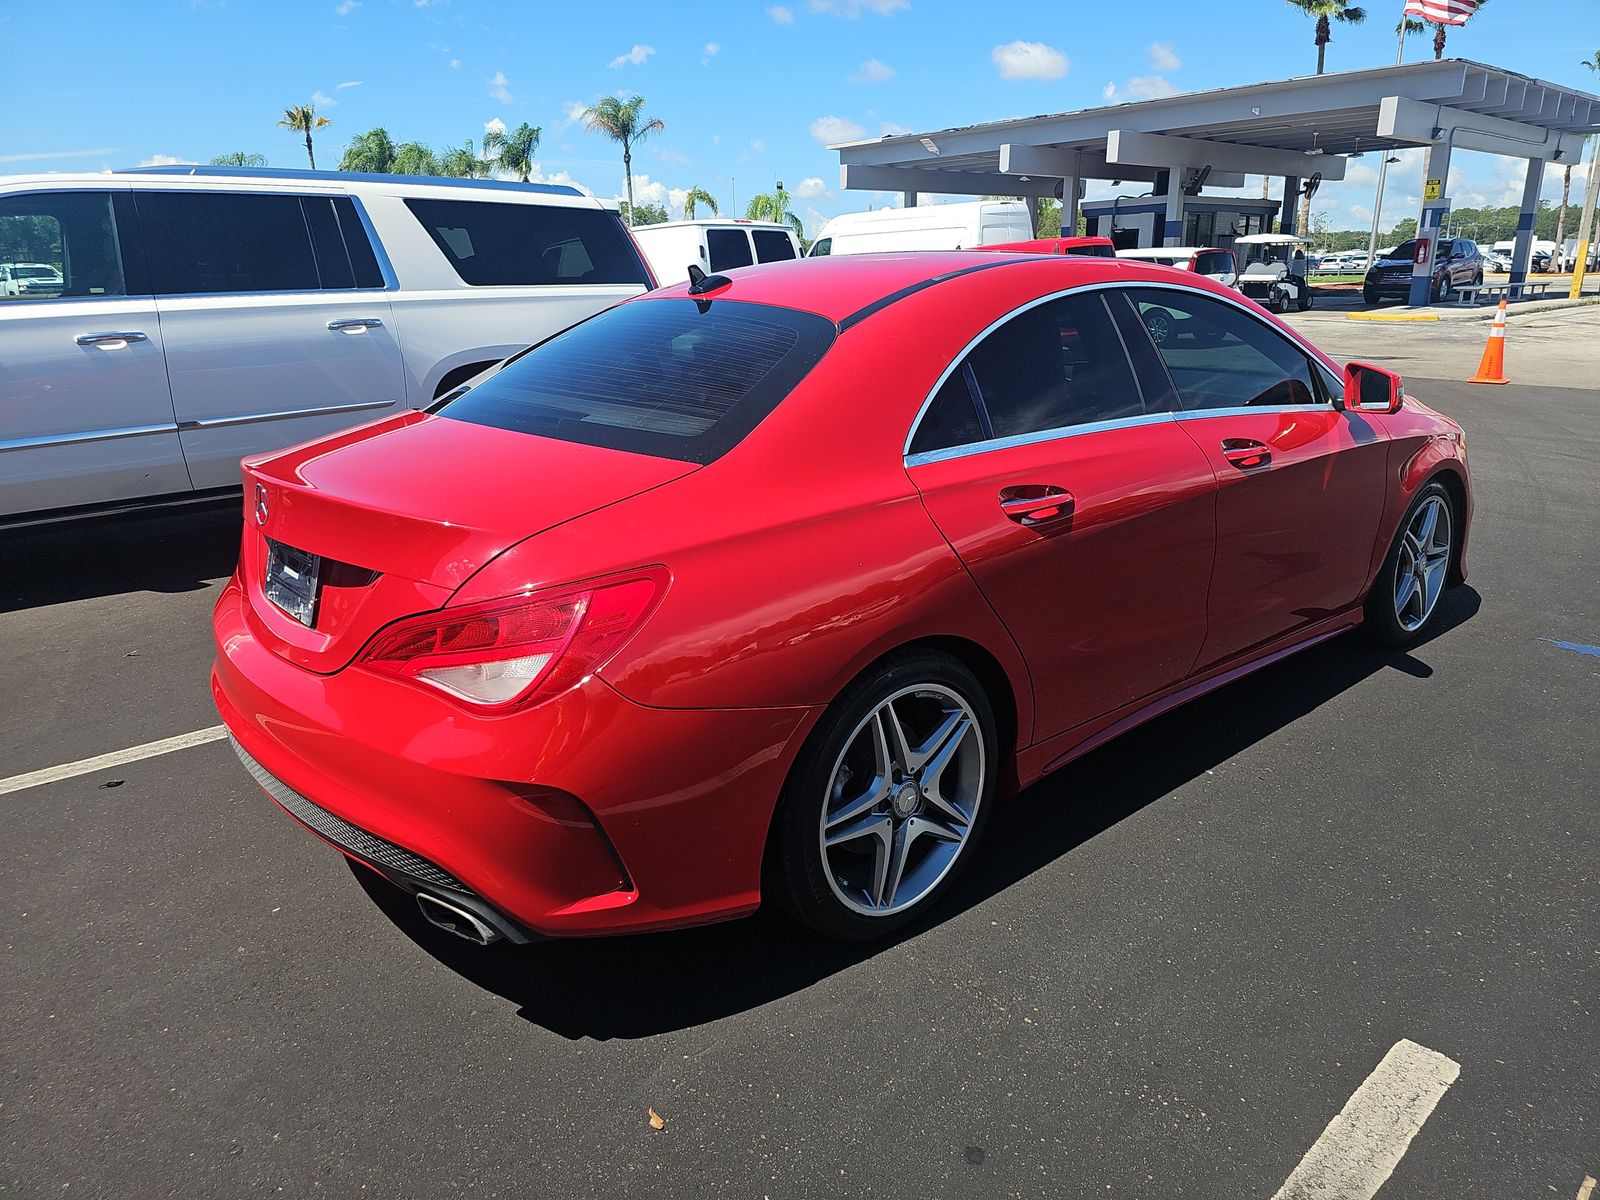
<point x="413" y="158"/>
<point x="698" y="196"/>
<point x="302" y="118"/>
<point x="774" y="206"/>
<point x="622" y="121"/>
<point x="372" y="151"/>
<point x="515" y="149"/>
<point x="463" y="163"/>
<point x="1327" y="11"/>
<point x="239" y="158"/>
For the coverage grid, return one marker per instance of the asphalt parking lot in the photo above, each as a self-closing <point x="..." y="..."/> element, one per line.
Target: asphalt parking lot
<point x="1171" y="966"/>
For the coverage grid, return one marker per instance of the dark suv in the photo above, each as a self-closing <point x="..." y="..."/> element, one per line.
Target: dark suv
<point x="1457" y="262"/>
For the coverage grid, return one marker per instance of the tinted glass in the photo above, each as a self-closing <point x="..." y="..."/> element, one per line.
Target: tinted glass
<point x="363" y="262"/>
<point x="1405" y="251"/>
<point x="1092" y="251"/>
<point x="821" y="248"/>
<point x="492" y="244"/>
<point x="952" y="418"/>
<point x="772" y="245"/>
<point x="1213" y="262"/>
<point x="729" y="248"/>
<point x="333" y="263"/>
<point x="60" y="245"/>
<point x="206" y="242"/>
<point x="655" y="377"/>
<point x="1220" y="356"/>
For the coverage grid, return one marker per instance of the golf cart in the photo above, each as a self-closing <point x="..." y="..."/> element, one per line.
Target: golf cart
<point x="1274" y="273"/>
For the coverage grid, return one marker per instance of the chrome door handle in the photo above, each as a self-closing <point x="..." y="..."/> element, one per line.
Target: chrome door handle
<point x="112" y="341"/>
<point x="355" y="325"/>
<point x="1035" y="503"/>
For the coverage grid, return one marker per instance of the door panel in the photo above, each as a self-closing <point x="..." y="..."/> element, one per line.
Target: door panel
<point x="1294" y="532"/>
<point x="1108" y="600"/>
<point x="256" y="373"/>
<point x="84" y="424"/>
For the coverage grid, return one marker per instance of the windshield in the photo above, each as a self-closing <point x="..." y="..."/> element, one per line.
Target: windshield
<point x="680" y="379"/>
<point x="1405" y="250"/>
<point x="36" y="272"/>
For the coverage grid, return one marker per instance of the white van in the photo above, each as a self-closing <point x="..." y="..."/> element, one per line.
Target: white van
<point x="963" y="226"/>
<point x="200" y="314"/>
<point x="713" y="244"/>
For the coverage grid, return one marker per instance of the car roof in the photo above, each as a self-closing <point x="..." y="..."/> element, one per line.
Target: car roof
<point x="708" y="222"/>
<point x="843" y="286"/>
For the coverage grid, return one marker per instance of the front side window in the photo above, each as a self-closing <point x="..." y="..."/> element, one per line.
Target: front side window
<point x="59" y="245"/>
<point x="1057" y="365"/>
<point x="1221" y="357"/>
<point x="729" y="248"/>
<point x="658" y="377"/>
<point x="773" y="245"/>
<point x="493" y="244"/>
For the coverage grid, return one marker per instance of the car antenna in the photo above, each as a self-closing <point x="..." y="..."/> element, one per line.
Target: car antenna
<point x="700" y="283"/>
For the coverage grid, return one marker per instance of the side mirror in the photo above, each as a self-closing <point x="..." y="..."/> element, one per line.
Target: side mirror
<point x="1371" y="389"/>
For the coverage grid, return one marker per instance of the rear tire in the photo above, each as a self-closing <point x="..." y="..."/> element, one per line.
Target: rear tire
<point x="886" y="798"/>
<point x="1404" y="603"/>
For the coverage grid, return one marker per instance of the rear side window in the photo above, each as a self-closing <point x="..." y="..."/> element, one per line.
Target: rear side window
<point x="56" y="245"/>
<point x="659" y="377"/>
<point x="502" y="245"/>
<point x="207" y="242"/>
<point x="729" y="248"/>
<point x="1054" y="366"/>
<point x="772" y="245"/>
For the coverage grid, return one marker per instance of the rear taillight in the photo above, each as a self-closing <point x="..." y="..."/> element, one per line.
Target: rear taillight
<point x="511" y="653"/>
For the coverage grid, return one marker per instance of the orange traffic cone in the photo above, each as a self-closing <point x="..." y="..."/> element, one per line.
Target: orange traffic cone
<point x="1492" y="368"/>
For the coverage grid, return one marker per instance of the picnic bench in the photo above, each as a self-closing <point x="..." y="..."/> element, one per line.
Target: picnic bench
<point x="1528" y="289"/>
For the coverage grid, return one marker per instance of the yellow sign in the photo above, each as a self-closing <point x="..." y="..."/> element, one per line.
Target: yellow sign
<point x="1433" y="189"/>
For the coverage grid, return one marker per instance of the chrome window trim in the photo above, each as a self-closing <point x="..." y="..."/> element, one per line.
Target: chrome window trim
<point x="1250" y="410"/>
<point x="1101" y="426"/>
<point x="253" y="418"/>
<point x="1060" y="433"/>
<point x="88" y="435"/>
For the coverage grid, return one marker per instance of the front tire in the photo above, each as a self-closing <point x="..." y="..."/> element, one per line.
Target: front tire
<point x="885" y="799"/>
<point x="1404" y="603"/>
<point x="1369" y="295"/>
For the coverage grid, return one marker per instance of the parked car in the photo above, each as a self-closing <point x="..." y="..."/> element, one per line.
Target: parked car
<point x="205" y="314"/>
<point x="713" y="244"/>
<point x="1456" y="263"/>
<point x="962" y="226"/>
<point x="779" y="612"/>
<point x="1090" y="247"/>
<point x="29" y="279"/>
<point x="1202" y="260"/>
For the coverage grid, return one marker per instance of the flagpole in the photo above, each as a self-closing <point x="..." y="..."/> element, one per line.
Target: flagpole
<point x="1383" y="165"/>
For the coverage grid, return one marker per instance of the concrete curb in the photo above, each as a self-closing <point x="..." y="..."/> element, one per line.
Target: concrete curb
<point x="1483" y="313"/>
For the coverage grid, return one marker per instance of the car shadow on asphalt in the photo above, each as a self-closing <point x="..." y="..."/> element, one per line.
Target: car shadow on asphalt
<point x="111" y="556"/>
<point x="639" y="986"/>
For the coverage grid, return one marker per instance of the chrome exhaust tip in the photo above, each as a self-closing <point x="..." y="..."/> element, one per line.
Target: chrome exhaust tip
<point x="454" y="919"/>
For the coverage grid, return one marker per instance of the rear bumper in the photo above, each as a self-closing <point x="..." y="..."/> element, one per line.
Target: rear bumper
<point x="587" y="814"/>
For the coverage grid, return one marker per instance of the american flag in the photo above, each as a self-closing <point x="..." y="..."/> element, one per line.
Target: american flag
<point x="1442" y="12"/>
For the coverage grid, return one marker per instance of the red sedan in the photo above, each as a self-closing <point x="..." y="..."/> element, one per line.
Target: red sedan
<point x="766" y="587"/>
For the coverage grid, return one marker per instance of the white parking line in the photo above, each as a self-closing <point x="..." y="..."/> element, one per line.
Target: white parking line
<point x="116" y="758"/>
<point x="1361" y="1146"/>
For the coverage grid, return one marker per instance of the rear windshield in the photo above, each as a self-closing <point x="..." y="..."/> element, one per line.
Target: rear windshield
<point x="1096" y="251"/>
<point x="657" y="377"/>
<point x="499" y="244"/>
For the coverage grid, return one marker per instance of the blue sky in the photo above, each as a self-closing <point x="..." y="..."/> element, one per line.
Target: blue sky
<point x="749" y="91"/>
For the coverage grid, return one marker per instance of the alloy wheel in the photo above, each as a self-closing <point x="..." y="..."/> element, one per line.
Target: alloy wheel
<point x="1419" y="576"/>
<point x="902" y="799"/>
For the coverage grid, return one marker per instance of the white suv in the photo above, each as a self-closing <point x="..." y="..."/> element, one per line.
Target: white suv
<point x="202" y="314"/>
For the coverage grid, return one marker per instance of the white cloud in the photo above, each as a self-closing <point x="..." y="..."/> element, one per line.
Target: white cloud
<point x="455" y="64"/>
<point x="345" y="7"/>
<point x="494" y="125"/>
<point x="99" y="152"/>
<point x="854" y="8"/>
<point x="667" y="155"/>
<point x="893" y="129"/>
<point x="716" y="139"/>
<point x="872" y="71"/>
<point x="1030" y="60"/>
<point x="572" y="113"/>
<point x="428" y="3"/>
<point x="636" y="56"/>
<point x="349" y="83"/>
<point x="828" y="130"/>
<point x="675" y="199"/>
<point x="782" y="14"/>
<point x="322" y="100"/>
<point x="157" y="160"/>
<point x="1163" y="57"/>
<point x="646" y="191"/>
<point x="1140" y="87"/>
<point x="812" y="188"/>
<point x="759" y="146"/>
<point x="711" y="51"/>
<point x="499" y="88"/>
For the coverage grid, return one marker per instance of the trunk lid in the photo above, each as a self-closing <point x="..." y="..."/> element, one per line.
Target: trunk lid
<point x="404" y="511"/>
